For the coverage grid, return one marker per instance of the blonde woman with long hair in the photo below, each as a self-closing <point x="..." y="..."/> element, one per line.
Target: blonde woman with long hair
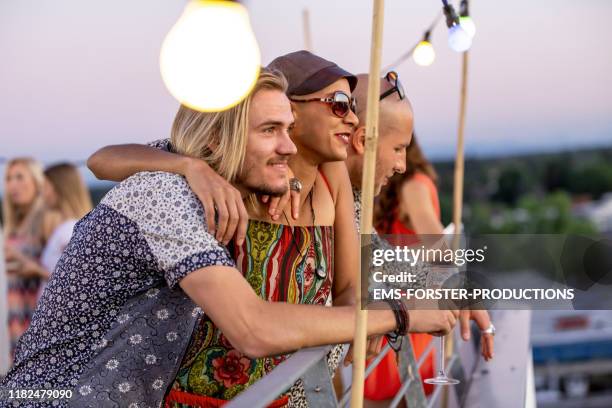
<point x="26" y="230"/>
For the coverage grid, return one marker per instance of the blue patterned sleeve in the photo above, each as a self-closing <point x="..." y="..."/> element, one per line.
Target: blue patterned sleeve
<point x="172" y="221"/>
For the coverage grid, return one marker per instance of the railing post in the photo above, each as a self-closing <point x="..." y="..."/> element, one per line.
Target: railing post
<point x="262" y="392"/>
<point x="318" y="386"/>
<point x="459" y="371"/>
<point x="409" y="371"/>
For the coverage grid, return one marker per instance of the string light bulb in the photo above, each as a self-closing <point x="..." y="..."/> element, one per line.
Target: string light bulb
<point x="424" y="53"/>
<point x="458" y="39"/>
<point x="468" y="25"/>
<point x="466" y="22"/>
<point x="210" y="59"/>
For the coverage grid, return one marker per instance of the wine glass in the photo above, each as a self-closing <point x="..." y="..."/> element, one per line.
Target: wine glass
<point x="441" y="378"/>
<point x="437" y="276"/>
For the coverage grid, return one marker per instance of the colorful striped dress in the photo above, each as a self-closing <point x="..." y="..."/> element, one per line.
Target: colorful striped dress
<point x="280" y="263"/>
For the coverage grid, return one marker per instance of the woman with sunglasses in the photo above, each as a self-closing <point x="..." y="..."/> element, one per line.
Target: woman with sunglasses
<point x="314" y="253"/>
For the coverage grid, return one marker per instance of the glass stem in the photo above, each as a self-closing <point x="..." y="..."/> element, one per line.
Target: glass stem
<point x="441" y="372"/>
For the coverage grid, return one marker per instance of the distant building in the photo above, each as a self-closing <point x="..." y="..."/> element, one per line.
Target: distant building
<point x="598" y="212"/>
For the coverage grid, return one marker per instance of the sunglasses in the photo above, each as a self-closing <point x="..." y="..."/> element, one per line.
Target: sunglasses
<point x="340" y="103"/>
<point x="393" y="79"/>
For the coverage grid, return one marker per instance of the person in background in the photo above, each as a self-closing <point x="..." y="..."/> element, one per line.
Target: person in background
<point x="66" y="194"/>
<point x="27" y="226"/>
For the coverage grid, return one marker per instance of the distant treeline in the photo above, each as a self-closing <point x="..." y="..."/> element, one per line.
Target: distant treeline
<point x="506" y="179"/>
<point x="507" y="182"/>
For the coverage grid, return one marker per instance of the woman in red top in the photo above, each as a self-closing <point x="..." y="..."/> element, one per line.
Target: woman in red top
<point x="409" y="205"/>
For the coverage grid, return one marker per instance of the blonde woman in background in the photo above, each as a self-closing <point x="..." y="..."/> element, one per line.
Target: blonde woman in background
<point x="27" y="226"/>
<point x="41" y="211"/>
<point x="65" y="194"/>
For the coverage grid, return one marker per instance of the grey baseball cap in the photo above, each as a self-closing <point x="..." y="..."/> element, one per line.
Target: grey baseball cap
<point x="307" y="73"/>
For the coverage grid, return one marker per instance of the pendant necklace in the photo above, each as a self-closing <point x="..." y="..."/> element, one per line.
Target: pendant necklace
<point x="320" y="272"/>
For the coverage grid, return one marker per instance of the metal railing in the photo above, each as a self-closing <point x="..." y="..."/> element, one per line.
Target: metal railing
<point x="311" y="366"/>
<point x="464" y="364"/>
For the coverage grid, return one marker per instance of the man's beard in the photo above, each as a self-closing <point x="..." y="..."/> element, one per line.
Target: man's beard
<point x="264" y="189"/>
<point x="260" y="187"/>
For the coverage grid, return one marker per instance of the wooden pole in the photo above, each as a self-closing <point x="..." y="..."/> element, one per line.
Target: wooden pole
<point x="458" y="185"/>
<point x="459" y="158"/>
<point x="306" y="27"/>
<point x="367" y="191"/>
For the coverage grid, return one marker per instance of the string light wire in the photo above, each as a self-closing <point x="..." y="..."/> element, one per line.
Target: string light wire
<point x="406" y="56"/>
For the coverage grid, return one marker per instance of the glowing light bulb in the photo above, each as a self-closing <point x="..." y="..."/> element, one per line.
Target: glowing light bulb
<point x="468" y="25"/>
<point x="424" y="54"/>
<point x="210" y="59"/>
<point x="458" y="39"/>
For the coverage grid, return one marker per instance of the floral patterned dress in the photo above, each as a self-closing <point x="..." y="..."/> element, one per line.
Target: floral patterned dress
<point x="280" y="263"/>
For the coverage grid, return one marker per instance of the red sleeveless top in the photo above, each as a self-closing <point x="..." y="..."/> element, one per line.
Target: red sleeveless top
<point x="397" y="226"/>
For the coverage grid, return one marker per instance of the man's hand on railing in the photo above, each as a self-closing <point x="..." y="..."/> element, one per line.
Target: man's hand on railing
<point x="483" y="321"/>
<point x="373" y="347"/>
<point x="434" y="322"/>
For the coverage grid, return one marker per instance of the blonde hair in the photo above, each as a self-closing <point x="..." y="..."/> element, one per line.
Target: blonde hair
<point x="12" y="217"/>
<point x="220" y="138"/>
<point x="73" y="197"/>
